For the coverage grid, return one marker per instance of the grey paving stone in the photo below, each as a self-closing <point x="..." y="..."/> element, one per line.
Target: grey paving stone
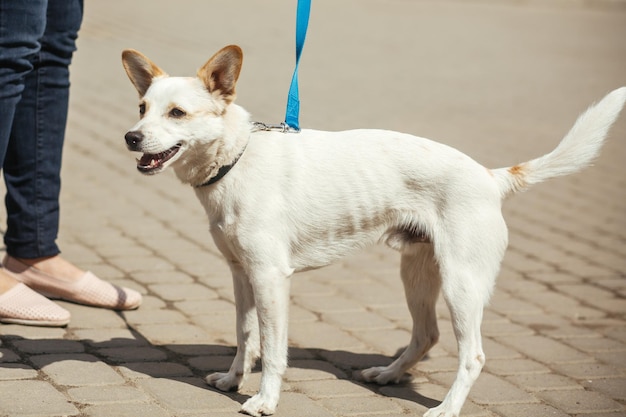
<point x="199" y="307"/>
<point x="419" y="397"/>
<point x="358" y="320"/>
<point x="438" y="364"/>
<point x="145" y="264"/>
<point x="308" y="370"/>
<point x="542" y="382"/>
<point x="503" y="367"/>
<point x="615" y="332"/>
<point x="121" y="247"/>
<point x="180" y="291"/>
<point x="574" y="402"/>
<point x="328" y="303"/>
<point x="76" y="370"/>
<point x="202" y="349"/>
<point x="543" y="349"/>
<point x="298" y="314"/>
<point x="105" y="337"/>
<point x="565" y="306"/>
<point x="13" y="371"/>
<point x="507" y="306"/>
<point x="295" y="404"/>
<point x="615" y="359"/>
<point x="355" y="358"/>
<point x="588" y="370"/>
<point x="151" y="302"/>
<point x="321" y="335"/>
<point x="187" y="396"/>
<point x="301" y="286"/>
<point x="13" y="331"/>
<point x="611" y="387"/>
<point x="125" y="410"/>
<point x="496" y="350"/>
<point x="394" y="313"/>
<point x="141" y="370"/>
<point x="7" y="355"/>
<point x="360" y="405"/>
<point x="133" y="354"/>
<point x="596" y="344"/>
<point x="554" y="277"/>
<point x="330" y="388"/>
<point x="106" y="395"/>
<point x="489" y="389"/>
<point x="17" y="400"/>
<point x="153" y="316"/>
<point x="527" y="410"/>
<point x="416" y="398"/>
<point x="162" y="277"/>
<point x="211" y="363"/>
<point x="49" y="346"/>
<point x="181" y="333"/>
<point x="84" y="317"/>
<point x="504" y="329"/>
<point x="374" y="294"/>
<point x="217" y="323"/>
<point x="385" y="341"/>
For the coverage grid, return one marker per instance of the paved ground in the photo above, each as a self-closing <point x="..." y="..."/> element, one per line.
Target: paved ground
<point x="503" y="81"/>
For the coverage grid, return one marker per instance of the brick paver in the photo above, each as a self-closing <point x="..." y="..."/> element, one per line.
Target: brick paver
<point x="502" y="81"/>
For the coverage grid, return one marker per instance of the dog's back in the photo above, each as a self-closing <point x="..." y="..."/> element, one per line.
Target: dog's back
<point x="325" y="194"/>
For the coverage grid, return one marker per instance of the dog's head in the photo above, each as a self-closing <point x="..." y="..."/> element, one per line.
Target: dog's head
<point x="178" y="114"/>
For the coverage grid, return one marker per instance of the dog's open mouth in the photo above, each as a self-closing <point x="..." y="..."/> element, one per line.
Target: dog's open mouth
<point x="153" y="163"/>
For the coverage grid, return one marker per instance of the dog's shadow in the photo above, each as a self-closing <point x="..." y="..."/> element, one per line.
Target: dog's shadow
<point x="198" y="360"/>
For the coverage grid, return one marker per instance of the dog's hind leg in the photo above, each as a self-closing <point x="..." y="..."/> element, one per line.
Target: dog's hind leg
<point x="469" y="262"/>
<point x="420" y="276"/>
<point x="248" y="342"/>
<point x="466" y="310"/>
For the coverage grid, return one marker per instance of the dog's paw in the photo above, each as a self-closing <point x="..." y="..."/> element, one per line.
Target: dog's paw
<point x="440" y="412"/>
<point x="259" y="405"/>
<point x="224" y="381"/>
<point x="381" y="375"/>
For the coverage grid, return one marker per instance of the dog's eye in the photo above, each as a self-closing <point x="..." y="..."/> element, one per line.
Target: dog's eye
<point x="176" y="112"/>
<point x="142" y="109"/>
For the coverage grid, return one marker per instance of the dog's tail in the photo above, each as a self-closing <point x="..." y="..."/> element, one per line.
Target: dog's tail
<point x="577" y="150"/>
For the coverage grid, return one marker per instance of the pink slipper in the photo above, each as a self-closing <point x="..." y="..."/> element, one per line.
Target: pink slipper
<point x="21" y="305"/>
<point x="89" y="290"/>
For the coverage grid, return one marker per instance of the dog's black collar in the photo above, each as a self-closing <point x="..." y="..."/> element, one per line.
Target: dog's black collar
<point x="221" y="172"/>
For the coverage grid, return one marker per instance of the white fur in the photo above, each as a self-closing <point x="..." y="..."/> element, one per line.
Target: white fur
<point x="295" y="202"/>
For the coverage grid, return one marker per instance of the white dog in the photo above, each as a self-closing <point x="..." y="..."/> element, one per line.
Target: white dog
<point x="279" y="204"/>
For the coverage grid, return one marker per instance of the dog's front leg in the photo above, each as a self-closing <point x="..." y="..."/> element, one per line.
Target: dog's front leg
<point x="271" y="295"/>
<point x="248" y="345"/>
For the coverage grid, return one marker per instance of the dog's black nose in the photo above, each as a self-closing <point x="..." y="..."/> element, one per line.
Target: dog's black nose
<point x="133" y="138"/>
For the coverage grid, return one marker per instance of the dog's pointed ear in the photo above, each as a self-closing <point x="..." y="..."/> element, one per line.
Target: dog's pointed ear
<point x="220" y="73"/>
<point x="140" y="70"/>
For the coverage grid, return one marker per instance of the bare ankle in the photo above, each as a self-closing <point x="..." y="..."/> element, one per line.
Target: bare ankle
<point x="6" y="281"/>
<point x="54" y="266"/>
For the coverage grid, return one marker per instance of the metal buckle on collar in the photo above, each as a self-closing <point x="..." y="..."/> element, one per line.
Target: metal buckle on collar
<point x="282" y="127"/>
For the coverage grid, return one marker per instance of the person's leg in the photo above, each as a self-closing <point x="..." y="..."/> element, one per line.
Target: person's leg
<point x="22" y="24"/>
<point x="32" y="167"/>
<point x="33" y="159"/>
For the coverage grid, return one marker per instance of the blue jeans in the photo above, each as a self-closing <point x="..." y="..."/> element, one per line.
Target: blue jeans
<point x="37" y="40"/>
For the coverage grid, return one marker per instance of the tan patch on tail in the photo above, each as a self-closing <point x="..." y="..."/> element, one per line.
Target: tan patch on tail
<point x="519" y="176"/>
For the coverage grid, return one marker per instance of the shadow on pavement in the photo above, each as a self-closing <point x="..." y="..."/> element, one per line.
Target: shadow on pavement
<point x="190" y="363"/>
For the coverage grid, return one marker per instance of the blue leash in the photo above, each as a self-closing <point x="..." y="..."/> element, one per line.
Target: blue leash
<point x="293" y="98"/>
